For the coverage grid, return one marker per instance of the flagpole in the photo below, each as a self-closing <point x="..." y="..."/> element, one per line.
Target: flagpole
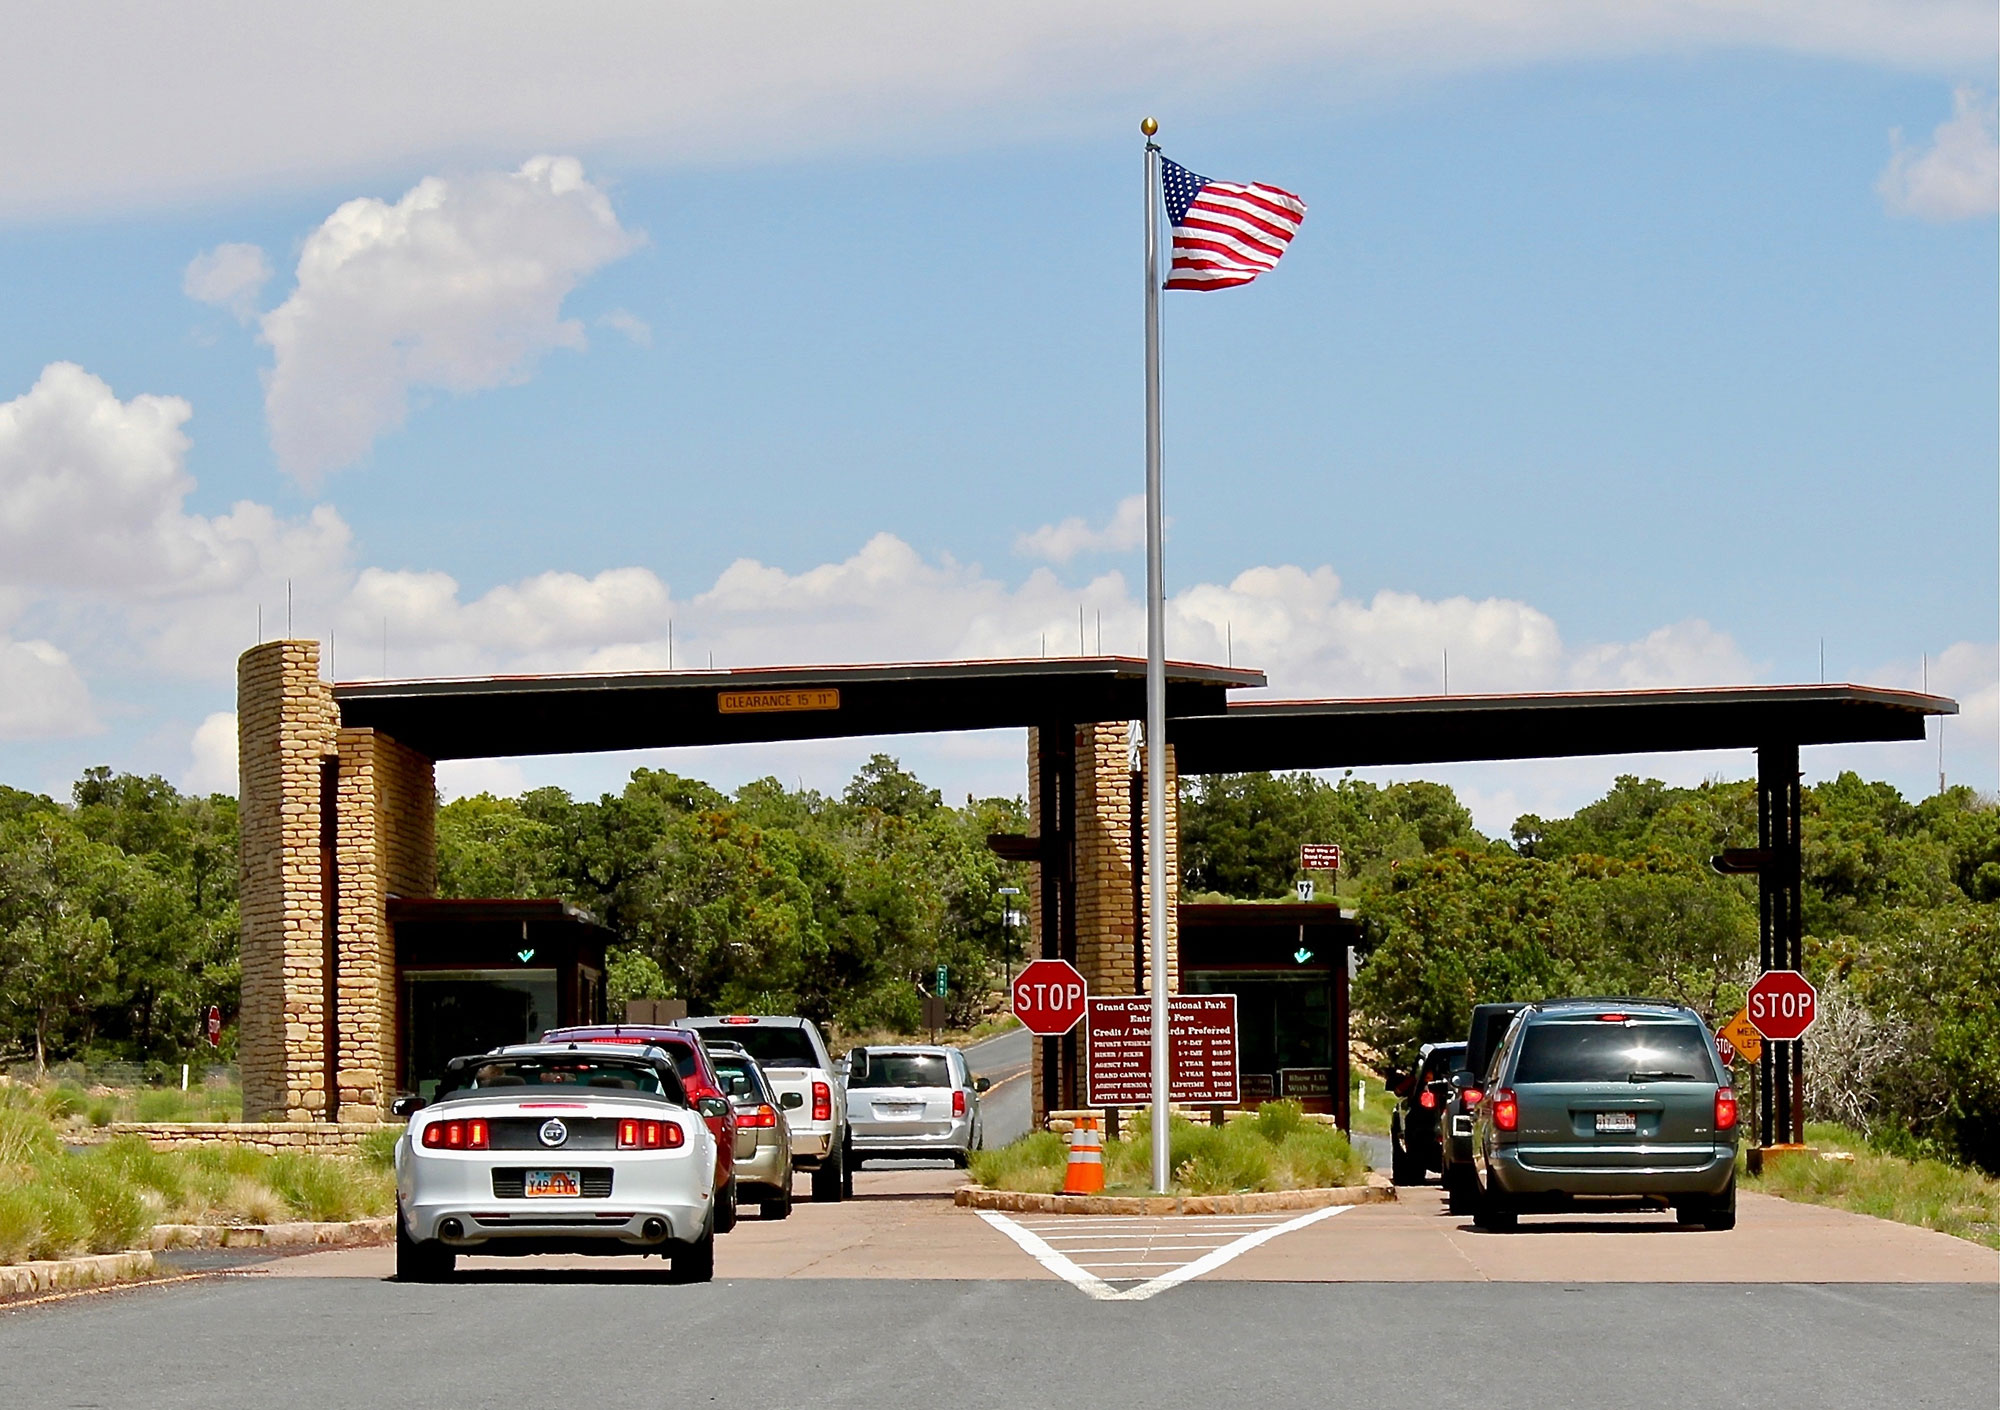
<point x="1156" y="672"/>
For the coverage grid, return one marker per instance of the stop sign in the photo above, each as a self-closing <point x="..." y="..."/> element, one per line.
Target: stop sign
<point x="1781" y="1004"/>
<point x="1049" y="997"/>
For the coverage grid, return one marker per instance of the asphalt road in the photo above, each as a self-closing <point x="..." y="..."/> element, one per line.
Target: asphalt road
<point x="1006" y="1109"/>
<point x="585" y="1338"/>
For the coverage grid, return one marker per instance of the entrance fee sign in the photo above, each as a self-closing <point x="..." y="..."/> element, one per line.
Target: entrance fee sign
<point x="1201" y="1050"/>
<point x="1049" y="997"/>
<point x="1782" y="1004"/>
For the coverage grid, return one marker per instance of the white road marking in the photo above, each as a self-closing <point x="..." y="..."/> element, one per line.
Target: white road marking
<point x="1069" y="1270"/>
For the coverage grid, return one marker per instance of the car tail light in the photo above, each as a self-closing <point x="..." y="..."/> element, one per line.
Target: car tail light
<point x="822" y="1102"/>
<point x="457" y="1136"/>
<point x="1506" y="1110"/>
<point x="634" y="1135"/>
<point x="1473" y="1096"/>
<point x="1428" y="1099"/>
<point x="764" y="1117"/>
<point x="1725" y="1108"/>
<point x="958" y="1103"/>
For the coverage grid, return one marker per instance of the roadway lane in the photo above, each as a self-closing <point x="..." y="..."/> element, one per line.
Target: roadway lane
<point x="306" y="1343"/>
<point x="1006" y="1109"/>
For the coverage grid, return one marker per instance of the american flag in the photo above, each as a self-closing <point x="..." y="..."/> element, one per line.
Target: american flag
<point x="1225" y="233"/>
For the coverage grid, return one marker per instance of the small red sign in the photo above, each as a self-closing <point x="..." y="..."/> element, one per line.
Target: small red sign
<point x="1049" y="997"/>
<point x="1319" y="856"/>
<point x="1201" y="1050"/>
<point x="214" y="1026"/>
<point x="1782" y="1004"/>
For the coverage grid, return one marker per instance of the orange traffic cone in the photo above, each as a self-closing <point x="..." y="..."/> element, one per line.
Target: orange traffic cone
<point x="1085" y="1175"/>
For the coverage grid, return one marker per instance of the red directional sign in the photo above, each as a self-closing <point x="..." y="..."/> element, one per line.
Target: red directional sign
<point x="1049" y="997"/>
<point x="1781" y="1004"/>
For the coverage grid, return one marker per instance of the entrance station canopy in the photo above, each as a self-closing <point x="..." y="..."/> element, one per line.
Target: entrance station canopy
<point x="1329" y="734"/>
<point x="500" y="716"/>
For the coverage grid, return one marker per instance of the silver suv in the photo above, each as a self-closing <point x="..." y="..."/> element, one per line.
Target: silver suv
<point x="1606" y="1099"/>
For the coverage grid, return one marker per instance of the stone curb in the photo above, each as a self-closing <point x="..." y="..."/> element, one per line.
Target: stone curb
<point x="1019" y="1202"/>
<point x="299" y="1234"/>
<point x="55" y="1274"/>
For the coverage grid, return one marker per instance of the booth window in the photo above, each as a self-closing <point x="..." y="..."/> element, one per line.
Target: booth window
<point x="452" y="1012"/>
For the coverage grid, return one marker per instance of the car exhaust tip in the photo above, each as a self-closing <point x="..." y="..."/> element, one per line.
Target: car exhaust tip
<point x="654" y="1229"/>
<point x="451" y="1229"/>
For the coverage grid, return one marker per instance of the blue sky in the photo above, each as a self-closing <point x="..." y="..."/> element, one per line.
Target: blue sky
<point x="1654" y="366"/>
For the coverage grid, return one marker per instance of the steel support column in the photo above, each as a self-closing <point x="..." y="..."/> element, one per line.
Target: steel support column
<point x="1056" y="826"/>
<point x="1780" y="935"/>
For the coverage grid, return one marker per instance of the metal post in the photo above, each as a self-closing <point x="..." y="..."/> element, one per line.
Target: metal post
<point x="1156" y="669"/>
<point x="1781" y="937"/>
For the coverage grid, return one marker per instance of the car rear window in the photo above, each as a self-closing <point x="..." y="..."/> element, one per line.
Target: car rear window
<point x="573" y="1074"/>
<point x="1442" y="1062"/>
<point x="737" y="1076"/>
<point x="903" y="1070"/>
<point x="773" y="1044"/>
<point x="1614" y="1052"/>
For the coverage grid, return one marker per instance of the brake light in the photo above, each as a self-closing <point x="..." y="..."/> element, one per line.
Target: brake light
<point x="958" y="1103"/>
<point x="1428" y="1099"/>
<point x="763" y="1117"/>
<point x="738" y="1018"/>
<point x="634" y="1135"/>
<point x="1611" y="1018"/>
<point x="1473" y="1096"/>
<point x="1506" y="1110"/>
<point x="457" y="1136"/>
<point x="1725" y="1108"/>
<point x="822" y="1102"/>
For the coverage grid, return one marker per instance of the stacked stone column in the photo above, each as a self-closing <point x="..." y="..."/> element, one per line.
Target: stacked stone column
<point x="320" y="1046"/>
<point x="1110" y="900"/>
<point x="286" y="724"/>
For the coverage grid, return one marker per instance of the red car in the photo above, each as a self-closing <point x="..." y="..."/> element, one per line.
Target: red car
<point x="703" y="1090"/>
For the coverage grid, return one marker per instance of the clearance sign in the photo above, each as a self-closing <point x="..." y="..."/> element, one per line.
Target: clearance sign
<point x="772" y="702"/>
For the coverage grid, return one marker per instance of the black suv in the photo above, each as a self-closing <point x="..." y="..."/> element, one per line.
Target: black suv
<point x="1468" y="1089"/>
<point x="1413" y="1130"/>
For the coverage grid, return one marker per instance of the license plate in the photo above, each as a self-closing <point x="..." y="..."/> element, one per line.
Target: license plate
<point x="554" y="1184"/>
<point x="1616" y="1121"/>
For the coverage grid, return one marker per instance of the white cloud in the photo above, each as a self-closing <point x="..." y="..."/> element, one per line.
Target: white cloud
<point x="457" y="286"/>
<point x="212" y="765"/>
<point x="230" y="277"/>
<point x="1124" y="531"/>
<point x="91" y="500"/>
<point x="163" y="102"/>
<point x="465" y="778"/>
<point x="637" y="329"/>
<point x="41" y="694"/>
<point x="1957" y="177"/>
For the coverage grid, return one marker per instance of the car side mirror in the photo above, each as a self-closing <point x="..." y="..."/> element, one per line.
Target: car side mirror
<point x="981" y="1084"/>
<point x="406" y="1106"/>
<point x="857" y="1068"/>
<point x="792" y="1101"/>
<point x="712" y="1106"/>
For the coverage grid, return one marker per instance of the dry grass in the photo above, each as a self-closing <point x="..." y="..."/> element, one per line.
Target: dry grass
<point x="56" y="1203"/>
<point x="1278" y="1149"/>
<point x="1927" y="1193"/>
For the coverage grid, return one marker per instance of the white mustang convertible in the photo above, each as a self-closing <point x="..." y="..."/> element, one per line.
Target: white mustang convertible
<point x="546" y="1148"/>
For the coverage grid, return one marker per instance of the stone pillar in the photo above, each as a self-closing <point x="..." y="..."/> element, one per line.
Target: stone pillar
<point x="285" y="735"/>
<point x="1106" y="852"/>
<point x="387" y="847"/>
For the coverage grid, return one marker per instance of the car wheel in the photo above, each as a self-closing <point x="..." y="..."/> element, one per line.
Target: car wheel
<point x="695" y="1262"/>
<point x="429" y="1262"/>
<point x="1494" y="1214"/>
<point x="725" y="1208"/>
<point x="1461" y="1194"/>
<point x="827" y="1178"/>
<point x="1716" y="1212"/>
<point x="961" y="1159"/>
<point x="1402" y="1169"/>
<point x="778" y="1208"/>
<point x="847" y="1164"/>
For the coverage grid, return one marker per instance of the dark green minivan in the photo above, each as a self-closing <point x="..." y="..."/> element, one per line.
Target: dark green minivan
<point x="1606" y="1099"/>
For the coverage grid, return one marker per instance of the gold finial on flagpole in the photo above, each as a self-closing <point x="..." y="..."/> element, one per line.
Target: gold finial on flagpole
<point x="1148" y="126"/>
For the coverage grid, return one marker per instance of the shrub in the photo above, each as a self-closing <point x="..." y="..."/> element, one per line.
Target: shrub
<point x="167" y="1105"/>
<point x="1034" y="1163"/>
<point x="63" y="1102"/>
<point x="378" y="1148"/>
<point x="114" y="1215"/>
<point x="324" y="1187"/>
